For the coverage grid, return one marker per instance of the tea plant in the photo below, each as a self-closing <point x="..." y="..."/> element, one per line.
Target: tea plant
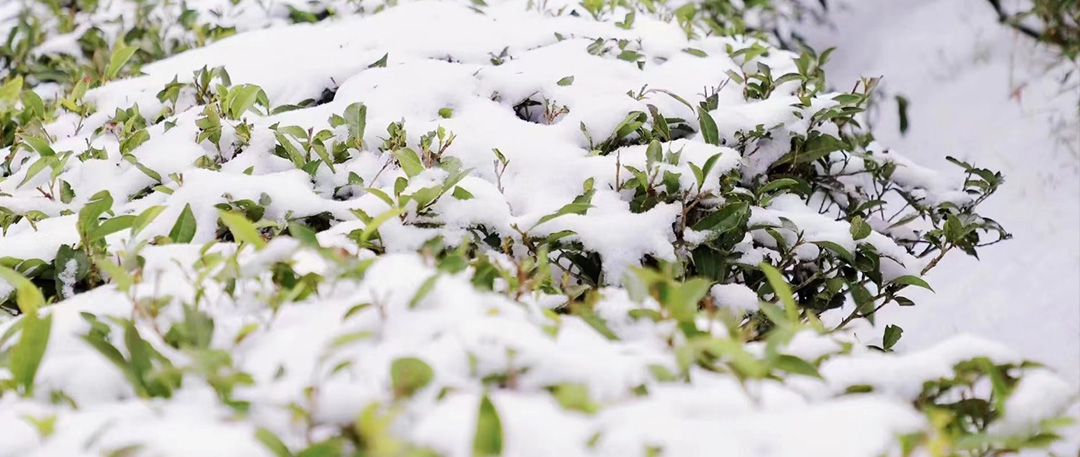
<point x="316" y="268"/>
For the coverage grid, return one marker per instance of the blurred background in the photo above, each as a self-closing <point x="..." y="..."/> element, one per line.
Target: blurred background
<point x="987" y="92"/>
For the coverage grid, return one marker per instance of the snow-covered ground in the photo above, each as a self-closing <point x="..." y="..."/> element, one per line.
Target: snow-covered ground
<point x="981" y="93"/>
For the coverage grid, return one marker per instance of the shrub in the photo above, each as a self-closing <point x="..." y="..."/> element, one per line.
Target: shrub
<point x="553" y="230"/>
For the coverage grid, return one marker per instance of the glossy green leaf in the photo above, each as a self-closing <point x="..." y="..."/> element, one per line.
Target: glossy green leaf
<point x="782" y="290"/>
<point x="409" y="161"/>
<point x="27" y="354"/>
<point x="27" y="296"/>
<point x="408" y="375"/>
<point x="120" y="56"/>
<point x="183" y="231"/>
<point x="911" y="280"/>
<point x="488" y="440"/>
<point x="242" y="229"/>
<point x="709" y="132"/>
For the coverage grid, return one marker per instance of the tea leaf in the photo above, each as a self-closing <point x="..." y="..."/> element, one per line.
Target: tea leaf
<point x="409" y="375"/>
<point x="488" y="440"/>
<point x="183" y="231"/>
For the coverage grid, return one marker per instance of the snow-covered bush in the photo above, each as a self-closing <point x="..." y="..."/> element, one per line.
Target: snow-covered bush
<point x="443" y="228"/>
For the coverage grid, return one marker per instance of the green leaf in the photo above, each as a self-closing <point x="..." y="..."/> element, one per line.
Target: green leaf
<point x="117" y="274"/>
<point x="864" y="300"/>
<point x="272" y="443"/>
<point x="109" y="227"/>
<point x="183" y="231"/>
<point x="836" y="248"/>
<point x="654" y="153"/>
<point x="33" y="103"/>
<point x="660" y="125"/>
<point x="143" y="168"/>
<point x="36" y="168"/>
<point x="351" y="337"/>
<point x="145" y="218"/>
<point x="291" y="150"/>
<point x="788" y="78"/>
<point x="304" y="234"/>
<point x="27" y="296"/>
<point x="133" y="141"/>
<point x="356" y="120"/>
<point x="566" y="81"/>
<point x="408" y="375"/>
<point x="242" y="229"/>
<point x="580" y="205"/>
<point x="902" y="107"/>
<point x="569" y="208"/>
<point x="26" y="355"/>
<point x="324" y="155"/>
<point x="776" y="185"/>
<point x="728" y="218"/>
<point x="629" y="55"/>
<point x="329" y="448"/>
<point x="39" y="145"/>
<point x="381" y="196"/>
<point x="64" y="255"/>
<point x="462" y="194"/>
<point x="682" y="299"/>
<point x="911" y="280"/>
<point x="103" y="346"/>
<point x="410" y="162"/>
<point x="574" y="396"/>
<point x="782" y="290"/>
<point x="708" y="128"/>
<point x="242" y="98"/>
<point x="710" y="163"/>
<point x="67" y="194"/>
<point x="139" y="363"/>
<point x="859" y="228"/>
<point x="773" y="312"/>
<point x="371" y="227"/>
<point x="633" y="121"/>
<point x="424" y="290"/>
<point x="156" y="382"/>
<point x="795" y="365"/>
<point x="120" y="56"/>
<point x="595" y="321"/>
<point x="381" y="63"/>
<point x="45" y="426"/>
<point x="9" y="92"/>
<point x="739" y="358"/>
<point x="195" y="331"/>
<point x="956" y="230"/>
<point x="488" y="440"/>
<point x="892" y="335"/>
<point x="814" y="148"/>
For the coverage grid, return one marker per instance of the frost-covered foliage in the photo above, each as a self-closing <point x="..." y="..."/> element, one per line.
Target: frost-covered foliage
<point x="468" y="228"/>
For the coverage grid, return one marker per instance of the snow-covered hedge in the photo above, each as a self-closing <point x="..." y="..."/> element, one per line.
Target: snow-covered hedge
<point x="469" y="228"/>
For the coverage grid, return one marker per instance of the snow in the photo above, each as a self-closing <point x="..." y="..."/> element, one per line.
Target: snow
<point x="67" y="277"/>
<point x="604" y="230"/>
<point x="328" y="351"/>
<point x="735" y="296"/>
<point x="960" y="72"/>
<point x="982" y="93"/>
<point x="1038" y="394"/>
<point x="905" y="374"/>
